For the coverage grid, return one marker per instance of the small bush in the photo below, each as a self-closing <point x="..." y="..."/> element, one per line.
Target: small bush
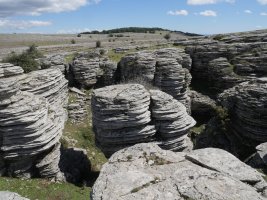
<point x="110" y="35"/>
<point x="79" y="35"/>
<point x="73" y="41"/>
<point x="167" y="36"/>
<point x="98" y="44"/>
<point x="26" y="60"/>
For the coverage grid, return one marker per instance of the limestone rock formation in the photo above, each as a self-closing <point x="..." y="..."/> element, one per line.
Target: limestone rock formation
<point x="32" y="119"/>
<point x="247" y="103"/>
<point x="171" y="120"/>
<point x="201" y="105"/>
<point x="7" y="70"/>
<point x="85" y="69"/>
<point x="140" y="65"/>
<point x="6" y="195"/>
<point x="145" y="171"/>
<point x="259" y="159"/>
<point x="56" y="61"/>
<point x="88" y="68"/>
<point x="121" y="116"/>
<point x="166" y="69"/>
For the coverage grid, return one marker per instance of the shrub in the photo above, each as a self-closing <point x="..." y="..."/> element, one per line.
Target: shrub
<point x="26" y="60"/>
<point x="79" y="35"/>
<point x="110" y="35"/>
<point x="102" y="51"/>
<point x="98" y="44"/>
<point x="73" y="41"/>
<point x="167" y="36"/>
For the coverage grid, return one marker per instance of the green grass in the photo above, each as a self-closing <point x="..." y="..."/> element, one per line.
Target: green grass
<point x="42" y="189"/>
<point x="84" y="136"/>
<point x="69" y="58"/>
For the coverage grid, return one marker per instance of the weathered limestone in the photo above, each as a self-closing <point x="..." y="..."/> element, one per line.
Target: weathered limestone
<point x="259" y="159"/>
<point x="247" y="106"/>
<point x="145" y="171"/>
<point x="6" y="195"/>
<point x="32" y="118"/>
<point x="140" y="65"/>
<point x="7" y="70"/>
<point x="56" y="61"/>
<point x="89" y="69"/>
<point x="122" y="117"/>
<point x="166" y="69"/>
<point x="201" y="105"/>
<point x="171" y="120"/>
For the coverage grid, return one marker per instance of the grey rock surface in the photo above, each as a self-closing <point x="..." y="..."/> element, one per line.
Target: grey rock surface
<point x="145" y="171"/>
<point x="6" y="195"/>
<point x="127" y="114"/>
<point x="246" y="104"/>
<point x="91" y="68"/>
<point x="32" y="118"/>
<point x="201" y="105"/>
<point x="56" y="61"/>
<point x="166" y="69"/>
<point x="121" y="116"/>
<point x="171" y="120"/>
<point x="259" y="159"/>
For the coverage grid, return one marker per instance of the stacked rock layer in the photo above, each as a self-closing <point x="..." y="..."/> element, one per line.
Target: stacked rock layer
<point x="166" y="69"/>
<point x="171" y="120"/>
<point x="122" y="117"/>
<point x="32" y="120"/>
<point x="247" y="106"/>
<point x="92" y="68"/>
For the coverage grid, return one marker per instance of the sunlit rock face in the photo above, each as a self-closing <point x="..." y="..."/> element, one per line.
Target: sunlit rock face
<point x="32" y="117"/>
<point x="167" y="69"/>
<point x="126" y="114"/>
<point x="147" y="172"/>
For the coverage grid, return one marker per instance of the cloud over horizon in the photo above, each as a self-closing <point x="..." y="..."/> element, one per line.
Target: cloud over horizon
<point x="37" y="7"/>
<point x="178" y="12"/>
<point x="21" y="24"/>
<point x="203" y="2"/>
<point x="208" y="13"/>
<point x="263" y="2"/>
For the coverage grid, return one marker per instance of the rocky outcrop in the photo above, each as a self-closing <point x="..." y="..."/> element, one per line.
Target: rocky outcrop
<point x="202" y="106"/>
<point x="77" y="108"/>
<point x="145" y="171"/>
<point x="166" y="69"/>
<point x="56" y="61"/>
<point x="122" y="117"/>
<point x="5" y="195"/>
<point x="89" y="69"/>
<point x="246" y="104"/>
<point x="7" y="70"/>
<point x="171" y="120"/>
<point x="220" y="64"/>
<point x="259" y="159"/>
<point x="32" y="119"/>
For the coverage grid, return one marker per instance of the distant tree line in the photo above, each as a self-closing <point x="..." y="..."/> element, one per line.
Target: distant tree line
<point x="127" y="30"/>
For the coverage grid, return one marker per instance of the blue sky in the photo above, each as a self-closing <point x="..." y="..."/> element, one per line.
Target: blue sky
<point x="72" y="16"/>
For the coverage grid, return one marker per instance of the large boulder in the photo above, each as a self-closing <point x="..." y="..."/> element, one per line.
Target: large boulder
<point x="122" y="117"/>
<point x="6" y="195"/>
<point x="145" y="171"/>
<point x="171" y="120"/>
<point x="247" y="107"/>
<point x="166" y="69"/>
<point x="32" y="118"/>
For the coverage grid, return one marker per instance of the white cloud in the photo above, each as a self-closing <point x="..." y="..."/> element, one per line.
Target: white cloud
<point x="17" y="24"/>
<point x="202" y="2"/>
<point x="263" y="2"/>
<point x="248" y="11"/>
<point x="263" y="14"/>
<point x="37" y="7"/>
<point x="208" y="13"/>
<point x="178" y="12"/>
